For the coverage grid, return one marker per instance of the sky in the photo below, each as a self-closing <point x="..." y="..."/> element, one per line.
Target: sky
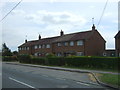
<point x="48" y="17"/>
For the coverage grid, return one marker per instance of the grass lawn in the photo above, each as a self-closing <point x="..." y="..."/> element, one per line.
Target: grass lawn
<point x="109" y="79"/>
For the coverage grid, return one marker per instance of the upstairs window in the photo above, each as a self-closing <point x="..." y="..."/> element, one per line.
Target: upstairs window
<point x="48" y="46"/>
<point x="79" y="43"/>
<point x="43" y="46"/>
<point x="40" y="46"/>
<point x="19" y="48"/>
<point x="71" y="43"/>
<point x="59" y="44"/>
<point x="35" y="46"/>
<point x="28" y="48"/>
<point x="65" y="43"/>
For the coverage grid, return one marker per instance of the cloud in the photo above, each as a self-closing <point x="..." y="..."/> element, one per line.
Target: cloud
<point x="45" y="17"/>
<point x="108" y="14"/>
<point x="18" y="12"/>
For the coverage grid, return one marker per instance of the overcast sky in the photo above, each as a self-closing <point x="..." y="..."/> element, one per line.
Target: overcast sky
<point x="49" y="17"/>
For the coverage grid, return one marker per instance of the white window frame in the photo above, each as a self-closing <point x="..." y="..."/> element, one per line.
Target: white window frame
<point x="35" y="46"/>
<point x="28" y="48"/>
<point x="80" y="43"/>
<point x="80" y="54"/>
<point x="40" y="46"/>
<point x="65" y="43"/>
<point x="71" y="43"/>
<point x="59" y="44"/>
<point x="48" y="46"/>
<point x="43" y="46"/>
<point x="36" y="54"/>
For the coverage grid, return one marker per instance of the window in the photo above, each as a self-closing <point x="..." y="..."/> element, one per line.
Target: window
<point x="71" y="43"/>
<point x="80" y="54"/>
<point x="59" y="44"/>
<point x="19" y="48"/>
<point x="79" y="43"/>
<point x="36" y="54"/>
<point x="25" y="48"/>
<point x="48" y="46"/>
<point x="43" y="46"/>
<point x="28" y="48"/>
<point x="104" y="54"/>
<point x="40" y="46"/>
<point x="65" y="43"/>
<point x="59" y="54"/>
<point x="35" y="46"/>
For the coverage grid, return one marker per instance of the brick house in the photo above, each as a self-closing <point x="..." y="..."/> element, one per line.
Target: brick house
<point x="110" y="53"/>
<point x="87" y="43"/>
<point x="117" y="43"/>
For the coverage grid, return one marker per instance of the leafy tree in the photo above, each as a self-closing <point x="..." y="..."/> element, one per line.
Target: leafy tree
<point x="15" y="53"/>
<point x="5" y="50"/>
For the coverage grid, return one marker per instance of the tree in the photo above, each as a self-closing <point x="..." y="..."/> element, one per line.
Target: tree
<point x="15" y="53"/>
<point x="5" y="50"/>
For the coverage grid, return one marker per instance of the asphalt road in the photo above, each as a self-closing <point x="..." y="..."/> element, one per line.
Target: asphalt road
<point x="16" y="76"/>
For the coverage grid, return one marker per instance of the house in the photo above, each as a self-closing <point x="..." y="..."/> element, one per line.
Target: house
<point x="117" y="43"/>
<point x="109" y="53"/>
<point x="87" y="43"/>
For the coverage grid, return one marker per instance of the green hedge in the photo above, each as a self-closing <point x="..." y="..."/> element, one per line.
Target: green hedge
<point x="93" y="62"/>
<point x="24" y="58"/>
<point x="9" y="58"/>
<point x="84" y="62"/>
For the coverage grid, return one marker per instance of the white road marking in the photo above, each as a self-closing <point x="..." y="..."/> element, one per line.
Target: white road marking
<point x="21" y="82"/>
<point x="83" y="83"/>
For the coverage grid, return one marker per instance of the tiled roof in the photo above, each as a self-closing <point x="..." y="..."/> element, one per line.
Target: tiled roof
<point x="66" y="37"/>
<point x="117" y="35"/>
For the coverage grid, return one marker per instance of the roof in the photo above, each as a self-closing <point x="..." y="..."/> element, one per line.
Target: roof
<point x="74" y="36"/>
<point x="118" y="34"/>
<point x="67" y="37"/>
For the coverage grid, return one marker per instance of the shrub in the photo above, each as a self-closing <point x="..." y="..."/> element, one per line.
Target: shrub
<point x="24" y="58"/>
<point x="37" y="60"/>
<point x="9" y="58"/>
<point x="58" y="61"/>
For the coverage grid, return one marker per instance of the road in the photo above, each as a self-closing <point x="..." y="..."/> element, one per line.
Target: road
<point x="16" y="76"/>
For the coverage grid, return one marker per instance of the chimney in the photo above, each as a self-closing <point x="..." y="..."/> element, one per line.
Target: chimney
<point x="93" y="27"/>
<point x="39" y="37"/>
<point x="26" y="41"/>
<point x="61" y="33"/>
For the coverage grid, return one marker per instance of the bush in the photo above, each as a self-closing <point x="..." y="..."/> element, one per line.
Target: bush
<point x="24" y="58"/>
<point x="74" y="61"/>
<point x="9" y="58"/>
<point x="37" y="60"/>
<point x="58" y="61"/>
<point x="92" y="62"/>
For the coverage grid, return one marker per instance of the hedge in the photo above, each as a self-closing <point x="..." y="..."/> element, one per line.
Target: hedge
<point x="85" y="61"/>
<point x="9" y="58"/>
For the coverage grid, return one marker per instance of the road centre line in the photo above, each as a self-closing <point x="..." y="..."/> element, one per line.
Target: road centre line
<point x="21" y="82"/>
<point x="83" y="83"/>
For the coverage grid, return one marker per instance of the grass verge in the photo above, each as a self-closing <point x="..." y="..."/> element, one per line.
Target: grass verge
<point x="110" y="79"/>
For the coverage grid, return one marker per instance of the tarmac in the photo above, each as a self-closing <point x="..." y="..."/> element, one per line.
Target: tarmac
<point x="72" y="70"/>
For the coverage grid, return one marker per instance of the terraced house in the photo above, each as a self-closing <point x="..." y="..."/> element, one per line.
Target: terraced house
<point x="87" y="43"/>
<point x="117" y="43"/>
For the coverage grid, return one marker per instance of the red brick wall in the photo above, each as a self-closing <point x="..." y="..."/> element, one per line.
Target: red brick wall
<point x="95" y="45"/>
<point x="68" y="48"/>
<point x="117" y="45"/>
